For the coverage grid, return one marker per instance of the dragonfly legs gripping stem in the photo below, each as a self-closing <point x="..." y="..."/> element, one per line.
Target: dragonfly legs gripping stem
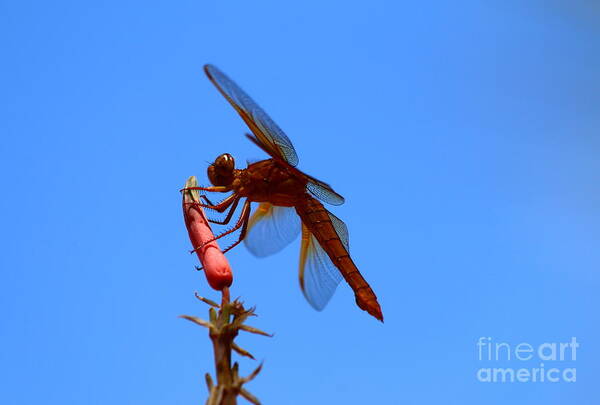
<point x="241" y="223"/>
<point x="231" y="201"/>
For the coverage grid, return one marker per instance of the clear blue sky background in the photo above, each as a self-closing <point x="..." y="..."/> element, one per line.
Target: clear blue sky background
<point x="464" y="136"/>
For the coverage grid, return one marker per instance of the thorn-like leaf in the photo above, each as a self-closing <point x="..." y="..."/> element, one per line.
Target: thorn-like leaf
<point x="213" y="315"/>
<point x="207" y="301"/>
<point x="197" y="321"/>
<point x="253" y="374"/>
<point x="209" y="381"/>
<point x="254" y="330"/>
<point x="241" y="351"/>
<point x="251" y="398"/>
<point x="235" y="370"/>
<point x="237" y="306"/>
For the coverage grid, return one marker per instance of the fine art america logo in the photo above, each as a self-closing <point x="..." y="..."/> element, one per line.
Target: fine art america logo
<point x="545" y="362"/>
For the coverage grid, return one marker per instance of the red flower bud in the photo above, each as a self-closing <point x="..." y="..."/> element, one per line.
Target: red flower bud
<point x="216" y="267"/>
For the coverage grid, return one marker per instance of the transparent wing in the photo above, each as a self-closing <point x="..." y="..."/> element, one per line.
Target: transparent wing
<point x="318" y="275"/>
<point x="266" y="131"/>
<point x="324" y="192"/>
<point x="319" y="189"/>
<point x="341" y="229"/>
<point x="270" y="229"/>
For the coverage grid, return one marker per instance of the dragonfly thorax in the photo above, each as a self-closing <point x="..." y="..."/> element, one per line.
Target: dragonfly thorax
<point x="268" y="181"/>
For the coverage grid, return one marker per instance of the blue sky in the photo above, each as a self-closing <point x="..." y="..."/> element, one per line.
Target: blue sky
<point x="464" y="136"/>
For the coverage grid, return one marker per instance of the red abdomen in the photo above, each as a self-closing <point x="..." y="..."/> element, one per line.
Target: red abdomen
<point x="316" y="218"/>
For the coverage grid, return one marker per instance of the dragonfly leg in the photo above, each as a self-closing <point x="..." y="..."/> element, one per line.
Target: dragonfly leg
<point x="236" y="200"/>
<point x="208" y="202"/>
<point x="215" y="189"/>
<point x="242" y="221"/>
<point x="220" y="207"/>
<point x="246" y="219"/>
<point x="231" y="201"/>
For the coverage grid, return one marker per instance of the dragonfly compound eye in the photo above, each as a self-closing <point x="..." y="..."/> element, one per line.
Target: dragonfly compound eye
<point x="225" y="162"/>
<point x="220" y="173"/>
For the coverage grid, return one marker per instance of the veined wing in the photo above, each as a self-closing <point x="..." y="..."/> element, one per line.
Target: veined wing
<point x="319" y="277"/>
<point x="266" y="131"/>
<point x="324" y="192"/>
<point x="318" y="188"/>
<point x="270" y="229"/>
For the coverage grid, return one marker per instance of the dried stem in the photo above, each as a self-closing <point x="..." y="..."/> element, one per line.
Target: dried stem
<point x="226" y="320"/>
<point x="222" y="339"/>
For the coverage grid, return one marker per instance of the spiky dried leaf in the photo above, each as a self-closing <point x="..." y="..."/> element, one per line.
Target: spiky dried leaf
<point x="251" y="398"/>
<point x="235" y="370"/>
<point x="253" y="374"/>
<point x="197" y="321"/>
<point x="254" y="330"/>
<point x="241" y="351"/>
<point x="207" y="301"/>
<point x="209" y="381"/>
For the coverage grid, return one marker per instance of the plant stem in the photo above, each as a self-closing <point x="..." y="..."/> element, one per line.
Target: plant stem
<point x="222" y="339"/>
<point x="224" y="325"/>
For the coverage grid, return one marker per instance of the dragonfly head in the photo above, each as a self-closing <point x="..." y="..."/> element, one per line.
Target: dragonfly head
<point x="220" y="173"/>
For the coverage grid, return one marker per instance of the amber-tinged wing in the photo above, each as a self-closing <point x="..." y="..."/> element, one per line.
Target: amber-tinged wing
<point x="270" y="229"/>
<point x="266" y="131"/>
<point x="319" y="277"/>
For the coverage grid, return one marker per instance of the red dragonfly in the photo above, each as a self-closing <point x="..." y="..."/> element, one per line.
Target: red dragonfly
<point x="287" y="206"/>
